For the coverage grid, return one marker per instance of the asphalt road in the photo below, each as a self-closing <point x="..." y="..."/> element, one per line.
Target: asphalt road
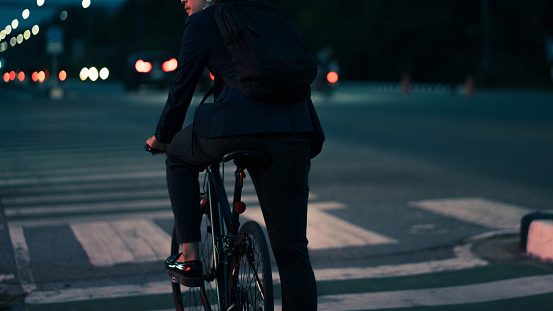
<point x="404" y="185"/>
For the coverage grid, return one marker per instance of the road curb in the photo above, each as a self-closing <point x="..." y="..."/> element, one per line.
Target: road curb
<point x="536" y="235"/>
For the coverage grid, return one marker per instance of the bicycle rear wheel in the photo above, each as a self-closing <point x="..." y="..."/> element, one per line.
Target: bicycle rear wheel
<point x="192" y="298"/>
<point x="251" y="285"/>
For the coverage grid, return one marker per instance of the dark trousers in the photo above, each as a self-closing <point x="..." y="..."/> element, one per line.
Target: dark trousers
<point x="282" y="189"/>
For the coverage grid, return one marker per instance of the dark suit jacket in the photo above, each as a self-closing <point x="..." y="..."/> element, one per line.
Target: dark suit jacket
<point x="232" y="113"/>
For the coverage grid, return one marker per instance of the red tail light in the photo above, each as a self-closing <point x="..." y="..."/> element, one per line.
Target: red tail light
<point x="142" y="66"/>
<point x="170" y="65"/>
<point x="332" y="77"/>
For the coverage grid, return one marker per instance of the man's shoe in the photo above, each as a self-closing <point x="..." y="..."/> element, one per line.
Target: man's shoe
<point x="188" y="273"/>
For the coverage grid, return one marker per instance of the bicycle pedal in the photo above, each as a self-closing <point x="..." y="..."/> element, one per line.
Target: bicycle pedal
<point x="232" y="307"/>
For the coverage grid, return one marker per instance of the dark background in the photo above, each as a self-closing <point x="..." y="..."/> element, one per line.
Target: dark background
<point x="501" y="43"/>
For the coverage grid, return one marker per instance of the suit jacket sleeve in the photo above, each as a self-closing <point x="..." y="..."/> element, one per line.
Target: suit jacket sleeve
<point x="191" y="62"/>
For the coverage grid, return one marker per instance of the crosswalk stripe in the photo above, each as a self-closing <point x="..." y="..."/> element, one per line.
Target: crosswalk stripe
<point x="65" y="179"/>
<point x="114" y="242"/>
<point x="342" y="234"/>
<point x="478" y="211"/>
<point x="82" y="197"/>
<point x="157" y="204"/>
<point x="446" y="296"/>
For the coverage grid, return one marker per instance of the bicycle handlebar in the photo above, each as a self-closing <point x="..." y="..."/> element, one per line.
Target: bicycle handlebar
<point x="153" y="151"/>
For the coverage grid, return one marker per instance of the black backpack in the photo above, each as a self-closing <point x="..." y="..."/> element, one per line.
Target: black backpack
<point x="269" y="54"/>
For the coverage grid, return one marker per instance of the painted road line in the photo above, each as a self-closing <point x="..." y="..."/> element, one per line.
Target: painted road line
<point x="66" y="179"/>
<point x="130" y="206"/>
<point x="454" y="295"/>
<point x="478" y="211"/>
<point x="343" y="233"/>
<point x="464" y="259"/>
<point x="22" y="258"/>
<point x="59" y="220"/>
<point x="83" y="197"/>
<point x="115" y="242"/>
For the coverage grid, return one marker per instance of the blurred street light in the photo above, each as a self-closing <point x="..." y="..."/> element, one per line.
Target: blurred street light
<point x="104" y="73"/>
<point x="93" y="74"/>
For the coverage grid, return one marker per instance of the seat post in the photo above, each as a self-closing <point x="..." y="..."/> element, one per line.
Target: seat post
<point x="238" y="207"/>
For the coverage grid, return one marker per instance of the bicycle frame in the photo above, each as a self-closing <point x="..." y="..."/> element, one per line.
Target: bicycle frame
<point x="223" y="217"/>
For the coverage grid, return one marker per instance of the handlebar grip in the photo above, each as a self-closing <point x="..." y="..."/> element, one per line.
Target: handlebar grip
<point x="153" y="151"/>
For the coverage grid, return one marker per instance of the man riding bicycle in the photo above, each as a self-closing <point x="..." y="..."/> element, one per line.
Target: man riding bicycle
<point x="289" y="133"/>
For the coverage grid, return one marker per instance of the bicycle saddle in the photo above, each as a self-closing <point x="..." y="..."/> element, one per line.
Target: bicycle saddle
<point x="245" y="158"/>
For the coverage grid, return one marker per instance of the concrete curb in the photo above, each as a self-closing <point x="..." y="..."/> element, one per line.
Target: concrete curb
<point x="536" y="235"/>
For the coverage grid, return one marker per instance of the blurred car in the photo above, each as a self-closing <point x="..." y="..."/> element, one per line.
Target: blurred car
<point x="149" y="67"/>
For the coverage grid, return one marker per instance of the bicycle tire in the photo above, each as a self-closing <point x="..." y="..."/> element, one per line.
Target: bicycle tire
<point x="251" y="286"/>
<point x="192" y="298"/>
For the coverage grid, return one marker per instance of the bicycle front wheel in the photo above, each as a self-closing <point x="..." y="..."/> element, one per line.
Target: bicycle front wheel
<point x="251" y="283"/>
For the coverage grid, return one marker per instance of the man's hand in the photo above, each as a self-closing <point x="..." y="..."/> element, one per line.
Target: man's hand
<point x="154" y="143"/>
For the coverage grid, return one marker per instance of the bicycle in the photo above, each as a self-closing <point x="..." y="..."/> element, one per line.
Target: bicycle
<point x="237" y="267"/>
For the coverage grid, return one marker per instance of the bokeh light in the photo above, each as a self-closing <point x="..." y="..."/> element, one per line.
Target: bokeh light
<point x="25" y="13"/>
<point x="104" y="73"/>
<point x="332" y="77"/>
<point x="83" y="74"/>
<point x="86" y="3"/>
<point x="142" y="66"/>
<point x="41" y="76"/>
<point x="63" y="15"/>
<point x="170" y="65"/>
<point x="40" y="2"/>
<point x="35" y="30"/>
<point x="62" y="75"/>
<point x="93" y="73"/>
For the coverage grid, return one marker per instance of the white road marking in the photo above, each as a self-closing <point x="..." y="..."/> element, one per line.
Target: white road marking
<point x="454" y="295"/>
<point x="464" y="259"/>
<point x="22" y="258"/>
<point x="65" y="179"/>
<point x="115" y="242"/>
<point x="83" y="197"/>
<point x="160" y="204"/>
<point x="478" y="211"/>
<point x="319" y="224"/>
<point x="4" y="277"/>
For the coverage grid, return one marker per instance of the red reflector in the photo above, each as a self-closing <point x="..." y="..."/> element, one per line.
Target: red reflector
<point x="170" y="65"/>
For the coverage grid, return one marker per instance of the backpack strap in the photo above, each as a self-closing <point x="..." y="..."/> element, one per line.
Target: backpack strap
<point x="215" y="89"/>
